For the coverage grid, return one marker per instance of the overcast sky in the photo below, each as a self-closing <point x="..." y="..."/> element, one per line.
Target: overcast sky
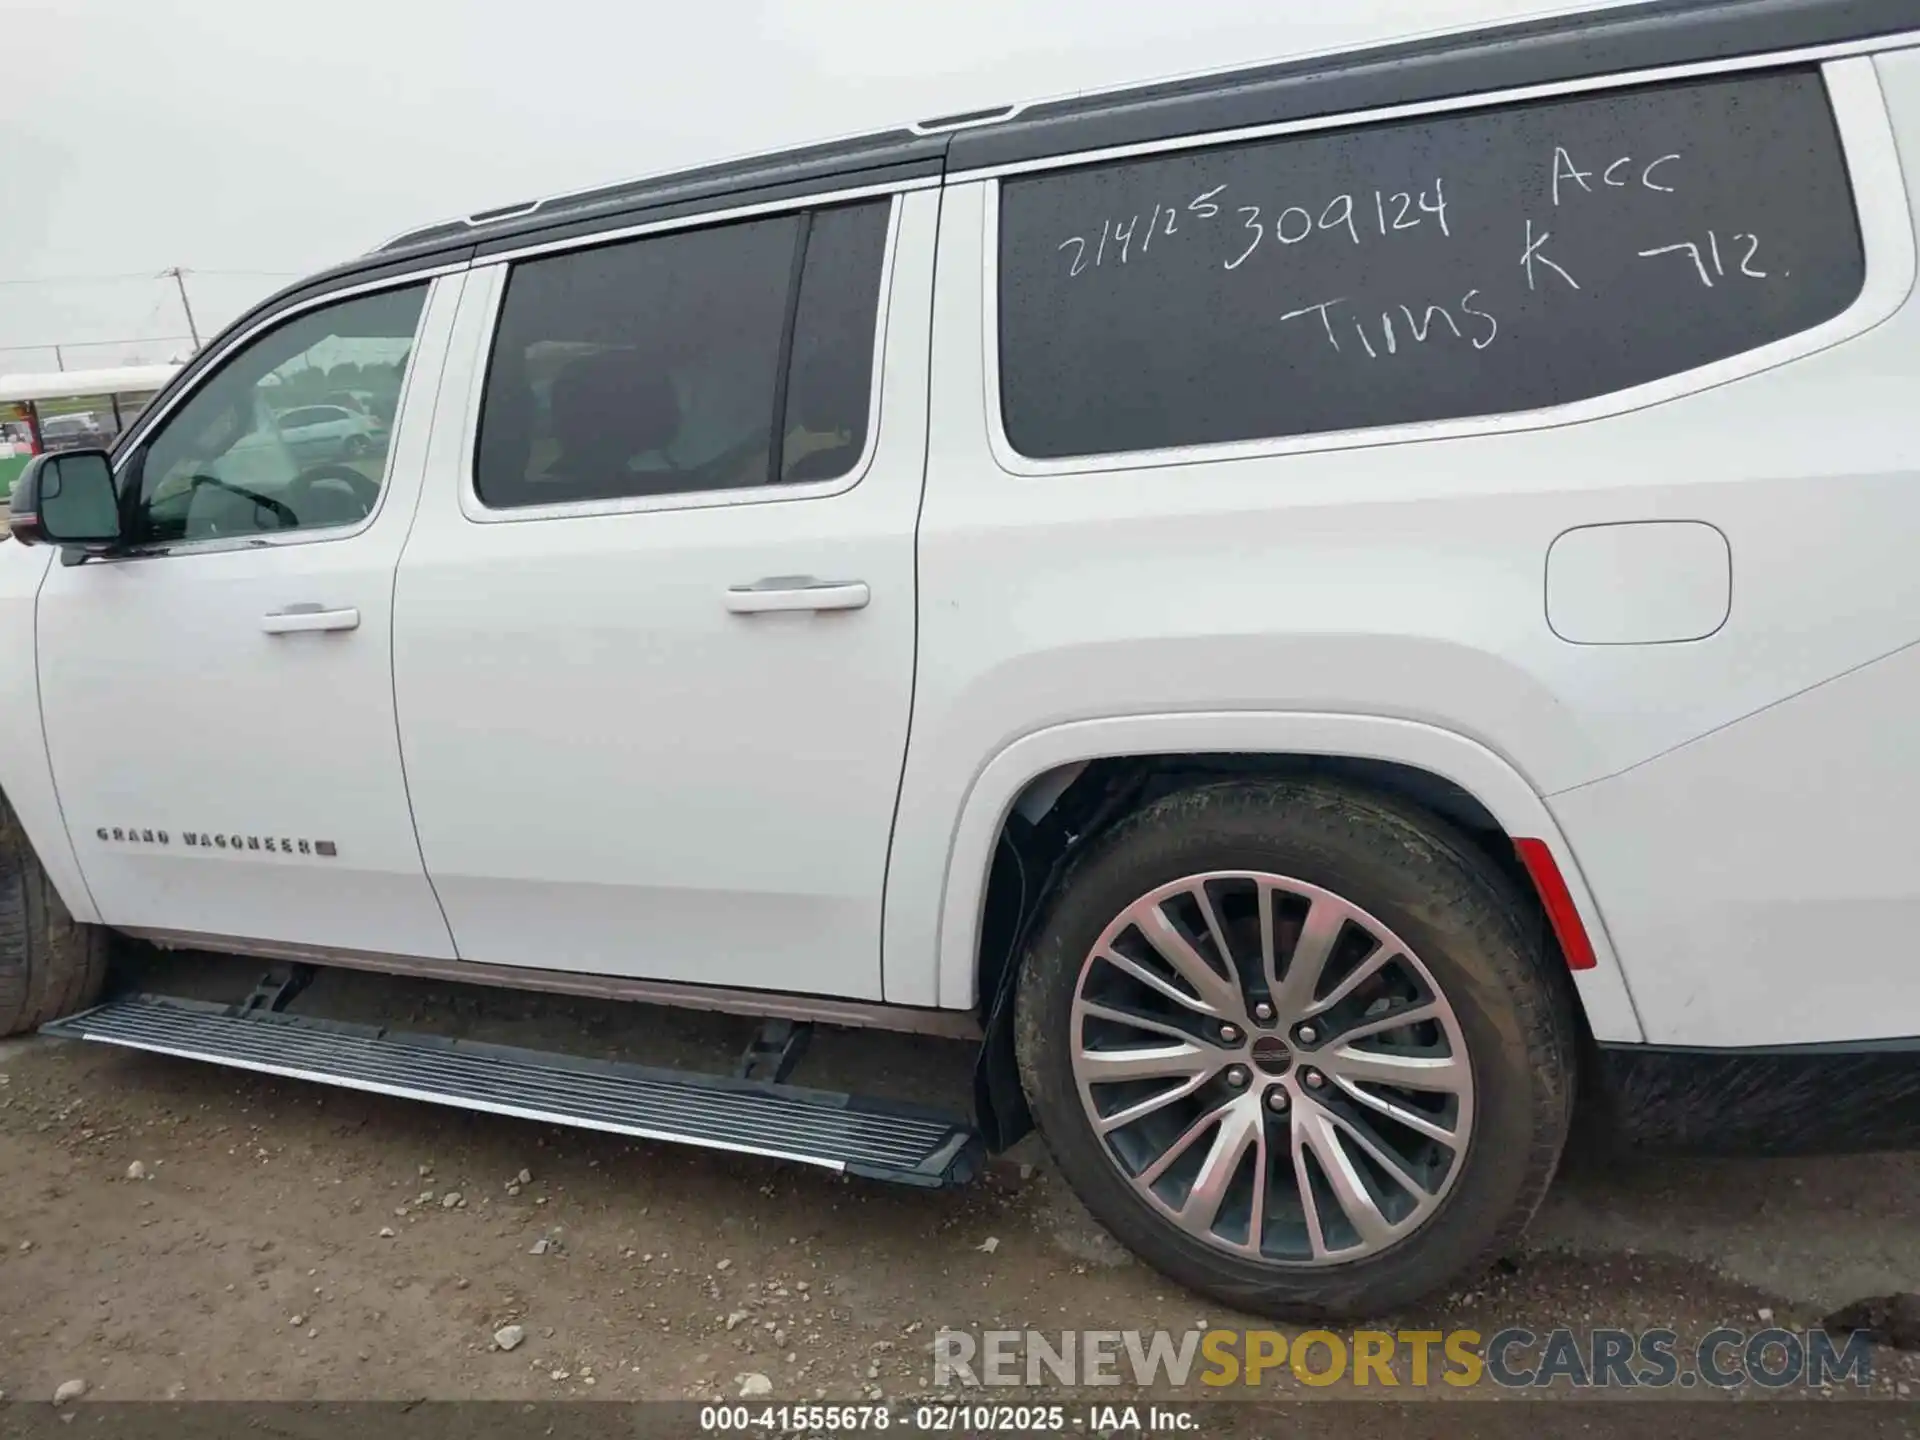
<point x="252" y="141"/>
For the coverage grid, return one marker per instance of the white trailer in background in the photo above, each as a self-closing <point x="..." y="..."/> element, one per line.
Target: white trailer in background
<point x="118" y="394"/>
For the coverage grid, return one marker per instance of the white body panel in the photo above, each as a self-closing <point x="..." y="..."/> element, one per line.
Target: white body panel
<point x="169" y="706"/>
<point x="618" y="768"/>
<point x="1405" y="582"/>
<point x="22" y="739"/>
<point x="1761" y="880"/>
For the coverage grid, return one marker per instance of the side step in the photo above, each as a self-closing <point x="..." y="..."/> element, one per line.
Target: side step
<point x="874" y="1138"/>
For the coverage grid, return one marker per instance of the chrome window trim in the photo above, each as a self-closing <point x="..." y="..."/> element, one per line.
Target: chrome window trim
<point x="1868" y="148"/>
<point x="1545" y="90"/>
<point x="476" y="510"/>
<point x="819" y="200"/>
<point x="318" y="534"/>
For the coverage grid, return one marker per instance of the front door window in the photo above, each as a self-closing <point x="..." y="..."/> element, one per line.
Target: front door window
<point x="291" y="434"/>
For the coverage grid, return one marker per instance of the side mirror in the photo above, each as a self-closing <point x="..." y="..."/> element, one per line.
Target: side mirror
<point x="66" y="498"/>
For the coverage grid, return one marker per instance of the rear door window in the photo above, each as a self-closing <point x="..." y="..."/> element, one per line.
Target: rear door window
<point x="830" y="383"/>
<point x="719" y="359"/>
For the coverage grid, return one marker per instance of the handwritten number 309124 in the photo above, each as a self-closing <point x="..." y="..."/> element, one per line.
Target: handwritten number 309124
<point x="1294" y="224"/>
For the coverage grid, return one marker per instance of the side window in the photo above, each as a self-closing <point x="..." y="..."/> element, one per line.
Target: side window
<point x="245" y="455"/>
<point x="830" y="384"/>
<point x="1471" y="264"/>
<point x="654" y="366"/>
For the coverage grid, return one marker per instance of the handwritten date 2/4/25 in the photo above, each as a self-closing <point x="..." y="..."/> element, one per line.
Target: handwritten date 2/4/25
<point x="1709" y="264"/>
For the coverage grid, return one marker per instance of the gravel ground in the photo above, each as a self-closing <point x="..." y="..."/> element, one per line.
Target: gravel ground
<point x="289" y="1242"/>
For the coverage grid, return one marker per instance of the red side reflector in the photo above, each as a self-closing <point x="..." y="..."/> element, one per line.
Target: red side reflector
<point x="1558" y="902"/>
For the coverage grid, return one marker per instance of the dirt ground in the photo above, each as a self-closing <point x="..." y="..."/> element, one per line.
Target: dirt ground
<point x="300" y="1243"/>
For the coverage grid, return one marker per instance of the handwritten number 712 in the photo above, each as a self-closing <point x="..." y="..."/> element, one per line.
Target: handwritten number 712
<point x="1709" y="264"/>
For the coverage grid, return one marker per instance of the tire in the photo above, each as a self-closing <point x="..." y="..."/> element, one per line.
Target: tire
<point x="50" y="964"/>
<point x="1469" y="942"/>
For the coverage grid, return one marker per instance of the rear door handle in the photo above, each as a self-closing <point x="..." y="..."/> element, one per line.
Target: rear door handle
<point x="797" y="592"/>
<point x="296" y="619"/>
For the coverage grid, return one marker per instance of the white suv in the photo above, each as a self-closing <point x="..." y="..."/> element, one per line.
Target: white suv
<point x="1316" y="612"/>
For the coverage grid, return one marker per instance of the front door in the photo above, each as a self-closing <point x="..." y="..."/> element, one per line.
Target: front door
<point x="219" y="702"/>
<point x="655" y="627"/>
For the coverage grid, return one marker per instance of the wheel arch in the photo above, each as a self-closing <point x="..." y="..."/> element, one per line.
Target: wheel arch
<point x="41" y="829"/>
<point x="1047" y="792"/>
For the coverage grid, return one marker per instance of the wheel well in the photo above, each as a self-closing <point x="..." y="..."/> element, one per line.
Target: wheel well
<point x="1072" y="807"/>
<point x="1060" y="810"/>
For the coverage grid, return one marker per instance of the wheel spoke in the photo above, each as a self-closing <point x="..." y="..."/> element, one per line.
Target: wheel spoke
<point x="1160" y="985"/>
<point x="1257" y="1215"/>
<point x="1268" y="963"/>
<point x="1349" y="1190"/>
<point x="1440" y="1073"/>
<point x="1392" y="1020"/>
<point x="1405" y="1115"/>
<point x="1392" y="1164"/>
<point x="1153" y="1062"/>
<point x="1325" y="920"/>
<point x="1109" y="1123"/>
<point x="1127" y="1017"/>
<point x="1205" y="902"/>
<point x="1309" y="1206"/>
<point x="1238" y="1129"/>
<point x="1221" y="994"/>
<point x="1382" y="956"/>
<point x="1181" y="1145"/>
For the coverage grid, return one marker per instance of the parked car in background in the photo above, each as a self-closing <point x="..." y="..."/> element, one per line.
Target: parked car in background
<point x="316" y="433"/>
<point x="365" y="402"/>
<point x="71" y="432"/>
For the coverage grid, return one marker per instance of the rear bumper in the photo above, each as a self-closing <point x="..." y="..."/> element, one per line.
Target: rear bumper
<point x="1780" y="1100"/>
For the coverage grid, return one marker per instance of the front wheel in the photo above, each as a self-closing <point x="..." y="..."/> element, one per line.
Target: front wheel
<point x="1299" y="1048"/>
<point x="50" y="963"/>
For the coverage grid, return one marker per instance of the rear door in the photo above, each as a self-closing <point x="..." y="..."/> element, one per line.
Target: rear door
<point x="655" y="628"/>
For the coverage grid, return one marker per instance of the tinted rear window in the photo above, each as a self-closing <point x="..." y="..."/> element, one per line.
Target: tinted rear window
<point x="1471" y="264"/>
<point x="830" y="390"/>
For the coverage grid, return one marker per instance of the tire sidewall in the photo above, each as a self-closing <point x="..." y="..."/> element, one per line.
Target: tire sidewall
<point x="1401" y="872"/>
<point x="50" y="964"/>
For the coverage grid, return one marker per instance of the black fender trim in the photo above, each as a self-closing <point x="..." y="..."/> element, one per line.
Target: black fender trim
<point x="1773" y="1100"/>
<point x="1100" y="796"/>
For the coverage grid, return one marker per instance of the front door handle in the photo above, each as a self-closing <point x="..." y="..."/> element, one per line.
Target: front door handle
<point x="297" y="619"/>
<point x="797" y="592"/>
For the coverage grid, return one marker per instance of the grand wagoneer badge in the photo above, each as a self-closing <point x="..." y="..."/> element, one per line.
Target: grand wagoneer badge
<point x="213" y="840"/>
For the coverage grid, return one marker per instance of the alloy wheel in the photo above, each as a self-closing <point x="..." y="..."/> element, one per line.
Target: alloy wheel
<point x="1271" y="1068"/>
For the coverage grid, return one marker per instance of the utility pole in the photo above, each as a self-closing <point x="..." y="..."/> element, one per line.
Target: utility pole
<point x="59" y="360"/>
<point x="179" y="277"/>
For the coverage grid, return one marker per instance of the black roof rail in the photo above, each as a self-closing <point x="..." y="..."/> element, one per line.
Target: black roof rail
<point x="836" y="164"/>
